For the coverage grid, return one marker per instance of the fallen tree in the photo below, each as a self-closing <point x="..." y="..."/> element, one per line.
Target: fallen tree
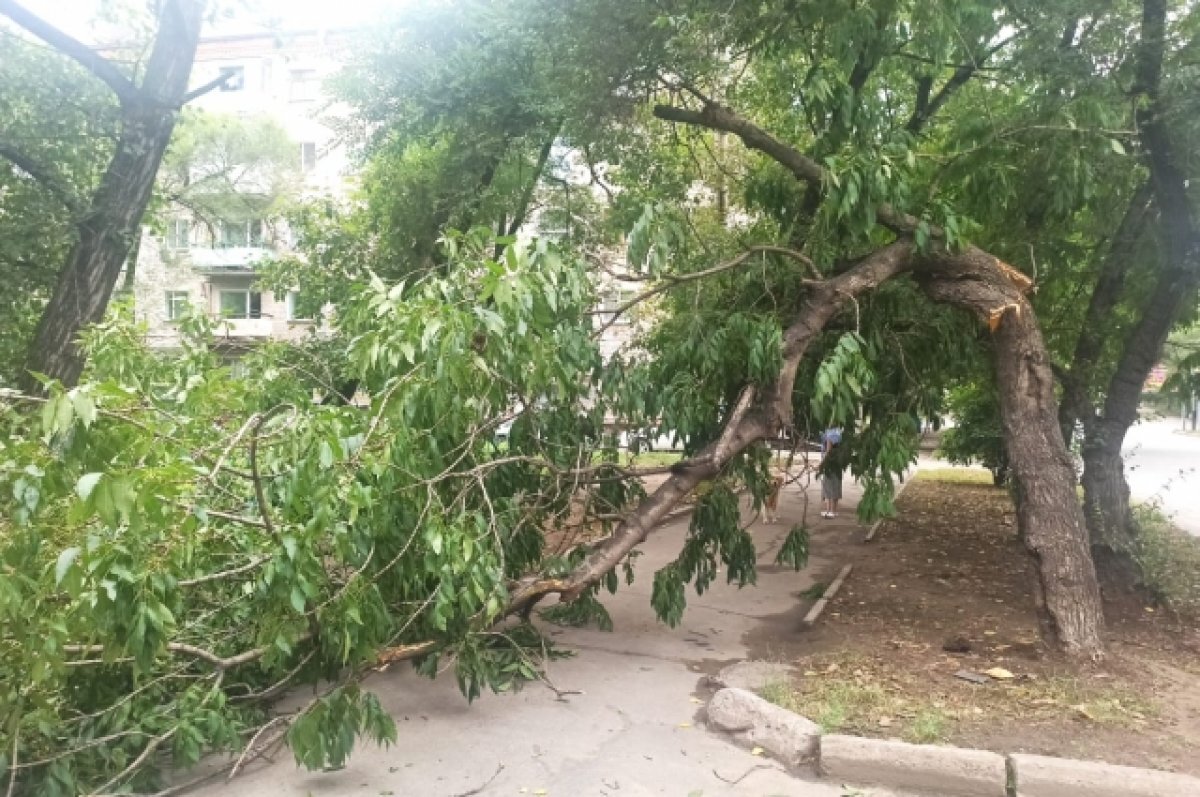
<point x="186" y="546"/>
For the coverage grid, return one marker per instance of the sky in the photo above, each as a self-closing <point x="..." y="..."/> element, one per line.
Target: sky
<point x="78" y="17"/>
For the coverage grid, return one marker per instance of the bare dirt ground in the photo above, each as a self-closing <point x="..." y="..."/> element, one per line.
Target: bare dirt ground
<point x="946" y="589"/>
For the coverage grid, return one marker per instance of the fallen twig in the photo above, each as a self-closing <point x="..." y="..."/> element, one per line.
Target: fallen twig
<point x="745" y="774"/>
<point x="481" y="786"/>
<point x="284" y="718"/>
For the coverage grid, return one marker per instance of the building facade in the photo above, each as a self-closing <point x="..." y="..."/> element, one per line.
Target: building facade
<point x="210" y="264"/>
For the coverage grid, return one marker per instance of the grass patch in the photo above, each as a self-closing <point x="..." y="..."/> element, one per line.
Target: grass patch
<point x="655" y="459"/>
<point x="866" y="695"/>
<point x="929" y="726"/>
<point x="1169" y="561"/>
<point x="781" y="694"/>
<point x="955" y="476"/>
<point x="835" y="706"/>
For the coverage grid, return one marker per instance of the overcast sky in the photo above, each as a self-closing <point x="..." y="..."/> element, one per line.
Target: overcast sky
<point x="78" y="16"/>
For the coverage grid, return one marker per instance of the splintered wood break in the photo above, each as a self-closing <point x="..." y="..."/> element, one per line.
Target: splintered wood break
<point x="1015" y="276"/>
<point x="997" y="315"/>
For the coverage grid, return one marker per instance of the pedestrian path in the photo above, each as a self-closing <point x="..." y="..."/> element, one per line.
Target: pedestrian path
<point x="634" y="730"/>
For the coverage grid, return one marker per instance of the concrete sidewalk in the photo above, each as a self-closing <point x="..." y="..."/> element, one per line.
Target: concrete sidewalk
<point x="635" y="729"/>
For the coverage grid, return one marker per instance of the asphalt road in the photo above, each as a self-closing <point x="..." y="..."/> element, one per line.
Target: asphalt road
<point x="1163" y="467"/>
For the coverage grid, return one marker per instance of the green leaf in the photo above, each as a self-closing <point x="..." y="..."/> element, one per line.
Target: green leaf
<point x="85" y="485"/>
<point x="85" y="408"/>
<point x="65" y="560"/>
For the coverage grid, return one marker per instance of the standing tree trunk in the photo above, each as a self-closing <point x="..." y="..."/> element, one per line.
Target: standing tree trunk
<point x="110" y="225"/>
<point x="1076" y="404"/>
<point x="1106" y="492"/>
<point x="1049" y="517"/>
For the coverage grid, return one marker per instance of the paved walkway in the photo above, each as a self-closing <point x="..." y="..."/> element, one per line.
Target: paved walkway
<point x="634" y="732"/>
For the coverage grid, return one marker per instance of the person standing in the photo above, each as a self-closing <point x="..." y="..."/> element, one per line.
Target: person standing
<point x="772" y="505"/>
<point x="831" y="471"/>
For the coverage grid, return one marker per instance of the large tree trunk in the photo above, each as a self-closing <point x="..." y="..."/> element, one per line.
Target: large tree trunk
<point x="1106" y="495"/>
<point x="110" y="227"/>
<point x="1049" y="516"/>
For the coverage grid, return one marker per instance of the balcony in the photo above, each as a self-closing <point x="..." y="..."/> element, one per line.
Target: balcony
<point x="227" y="260"/>
<point x="243" y="327"/>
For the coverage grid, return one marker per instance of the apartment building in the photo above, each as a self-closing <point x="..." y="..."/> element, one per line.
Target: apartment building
<point x="185" y="262"/>
<point x="210" y="265"/>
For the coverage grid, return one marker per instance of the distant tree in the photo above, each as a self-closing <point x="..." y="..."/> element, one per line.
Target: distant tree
<point x="107" y="222"/>
<point x="57" y="129"/>
<point x="223" y="168"/>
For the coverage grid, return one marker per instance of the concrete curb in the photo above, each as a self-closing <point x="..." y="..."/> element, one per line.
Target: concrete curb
<point x="908" y="479"/>
<point x="1041" y="776"/>
<point x="931" y="770"/>
<point x="814" y="613"/>
<point x="924" y="769"/>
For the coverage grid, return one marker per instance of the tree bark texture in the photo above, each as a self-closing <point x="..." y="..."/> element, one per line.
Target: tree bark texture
<point x="1048" y="513"/>
<point x="111" y="224"/>
<point x="1106" y="496"/>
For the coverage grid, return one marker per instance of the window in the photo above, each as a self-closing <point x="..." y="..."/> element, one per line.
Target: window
<point x="301" y="308"/>
<point x="240" y="233"/>
<point x="304" y="85"/>
<point x="614" y="300"/>
<point x="179" y="233"/>
<point x="308" y="156"/>
<point x="241" y="304"/>
<point x="235" y="78"/>
<point x="177" y="304"/>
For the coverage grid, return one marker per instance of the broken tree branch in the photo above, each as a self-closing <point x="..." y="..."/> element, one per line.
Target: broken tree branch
<point x="804" y="168"/>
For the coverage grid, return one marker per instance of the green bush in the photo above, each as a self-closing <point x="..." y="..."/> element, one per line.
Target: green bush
<point x="1169" y="561"/>
<point x="976" y="437"/>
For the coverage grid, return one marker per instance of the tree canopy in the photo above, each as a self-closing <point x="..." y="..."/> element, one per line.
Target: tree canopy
<point x="842" y="214"/>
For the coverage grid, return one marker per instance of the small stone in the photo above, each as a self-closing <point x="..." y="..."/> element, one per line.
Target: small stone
<point x="957" y="644"/>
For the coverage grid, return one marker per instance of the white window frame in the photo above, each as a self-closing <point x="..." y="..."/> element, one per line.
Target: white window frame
<point x="248" y="303"/>
<point x="303" y="85"/>
<point x="177" y="304"/>
<point x="613" y="300"/>
<point x="172" y="237"/>
<point x="248" y="227"/>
